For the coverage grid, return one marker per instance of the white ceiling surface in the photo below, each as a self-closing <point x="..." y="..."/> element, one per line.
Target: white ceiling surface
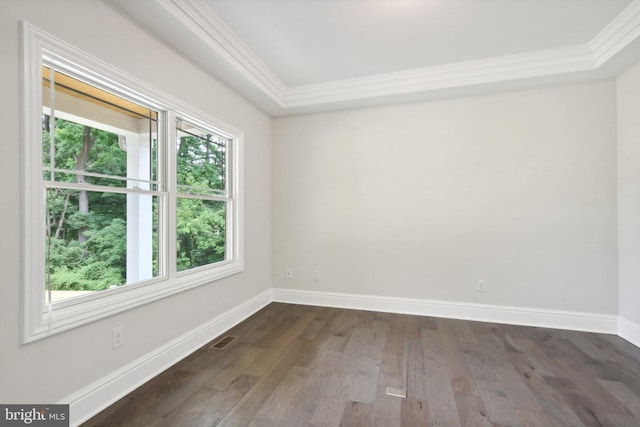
<point x="295" y="56"/>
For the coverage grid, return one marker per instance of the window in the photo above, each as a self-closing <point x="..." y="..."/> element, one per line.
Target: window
<point x="130" y="195"/>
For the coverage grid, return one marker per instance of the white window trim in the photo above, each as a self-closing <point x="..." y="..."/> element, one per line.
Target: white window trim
<point x="38" y="324"/>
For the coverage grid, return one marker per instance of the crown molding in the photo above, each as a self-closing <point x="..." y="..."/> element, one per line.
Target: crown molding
<point x="199" y="18"/>
<point x="512" y="67"/>
<point x="617" y="34"/>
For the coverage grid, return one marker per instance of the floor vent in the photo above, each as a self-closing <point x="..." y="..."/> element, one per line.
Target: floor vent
<point x="398" y="392"/>
<point x="224" y="342"/>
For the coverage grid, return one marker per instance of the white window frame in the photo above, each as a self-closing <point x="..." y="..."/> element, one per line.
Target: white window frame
<point x="40" y="321"/>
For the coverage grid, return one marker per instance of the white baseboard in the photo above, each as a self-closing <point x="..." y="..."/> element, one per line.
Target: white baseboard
<point x="577" y="321"/>
<point x="97" y="396"/>
<point x="629" y="330"/>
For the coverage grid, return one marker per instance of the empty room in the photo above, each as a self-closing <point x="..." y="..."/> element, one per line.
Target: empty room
<point x="320" y="213"/>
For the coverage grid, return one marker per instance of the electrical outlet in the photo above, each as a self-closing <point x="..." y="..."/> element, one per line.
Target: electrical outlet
<point x="289" y="273"/>
<point x="316" y="275"/>
<point x="482" y="286"/>
<point x="117" y="337"/>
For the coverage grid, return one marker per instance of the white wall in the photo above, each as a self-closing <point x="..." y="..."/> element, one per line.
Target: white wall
<point x="629" y="202"/>
<point x="52" y="368"/>
<point x="422" y="200"/>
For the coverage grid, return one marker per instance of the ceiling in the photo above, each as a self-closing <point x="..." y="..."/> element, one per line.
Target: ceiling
<point x="299" y="56"/>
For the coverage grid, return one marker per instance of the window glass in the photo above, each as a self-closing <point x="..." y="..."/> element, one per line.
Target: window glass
<point x="201" y="208"/>
<point x="201" y="161"/>
<point x="201" y="232"/>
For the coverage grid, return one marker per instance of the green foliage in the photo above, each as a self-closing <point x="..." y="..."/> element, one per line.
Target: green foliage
<point x="94" y="265"/>
<point x="200" y="229"/>
<point x="98" y="261"/>
<point x="201" y="164"/>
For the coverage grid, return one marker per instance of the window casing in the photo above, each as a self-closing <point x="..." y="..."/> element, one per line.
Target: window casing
<point x="147" y="186"/>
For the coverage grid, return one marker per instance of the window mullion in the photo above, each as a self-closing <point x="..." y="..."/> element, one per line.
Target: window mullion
<point x="170" y="180"/>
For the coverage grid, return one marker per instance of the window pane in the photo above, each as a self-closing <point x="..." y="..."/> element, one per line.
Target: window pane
<point x="201" y="161"/>
<point x="96" y="137"/>
<point x="201" y="232"/>
<point x="94" y="242"/>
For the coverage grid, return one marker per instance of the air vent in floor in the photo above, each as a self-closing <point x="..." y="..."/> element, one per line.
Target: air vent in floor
<point x="224" y="342"/>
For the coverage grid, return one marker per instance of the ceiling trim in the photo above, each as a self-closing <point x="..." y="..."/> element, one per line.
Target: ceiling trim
<point x="198" y="17"/>
<point x="512" y="67"/>
<point x="202" y="20"/>
<point x="617" y="34"/>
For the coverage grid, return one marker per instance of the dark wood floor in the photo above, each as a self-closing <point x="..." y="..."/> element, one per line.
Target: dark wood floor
<point x="298" y="366"/>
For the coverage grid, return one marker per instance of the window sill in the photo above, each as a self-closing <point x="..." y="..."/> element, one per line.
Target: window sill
<point x="110" y="303"/>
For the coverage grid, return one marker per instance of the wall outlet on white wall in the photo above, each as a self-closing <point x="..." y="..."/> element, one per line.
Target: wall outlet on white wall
<point x="316" y="275"/>
<point x="289" y="273"/>
<point x="482" y="286"/>
<point x="117" y="337"/>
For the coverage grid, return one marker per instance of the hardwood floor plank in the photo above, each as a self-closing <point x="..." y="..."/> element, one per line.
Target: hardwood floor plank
<point x="535" y="418"/>
<point x="356" y="414"/>
<point x="281" y="399"/>
<point x="537" y="357"/>
<point x="234" y="369"/>
<point x="340" y="383"/>
<point x="414" y="413"/>
<point x="588" y="387"/>
<point x="313" y="391"/>
<point x="209" y="406"/>
<point x="267" y="359"/>
<point x="462" y="331"/>
<point x="581" y="405"/>
<point x="364" y="385"/>
<point x="396" y="335"/>
<point x="549" y="399"/>
<point x="512" y="384"/>
<point x="478" y="363"/>
<point x="190" y="411"/>
<point x="459" y="371"/>
<point x="500" y="407"/>
<point x="472" y="411"/>
<point x="366" y="319"/>
<point x="617" y="420"/>
<point x="386" y="409"/>
<point x="590" y="347"/>
<point x="622" y="347"/>
<point x="274" y="331"/>
<point x="340" y="329"/>
<point x="489" y="343"/>
<point x="246" y="409"/>
<point x="624" y="395"/>
<point x="314" y="329"/>
<point x="442" y="404"/>
<point x="416" y="376"/>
